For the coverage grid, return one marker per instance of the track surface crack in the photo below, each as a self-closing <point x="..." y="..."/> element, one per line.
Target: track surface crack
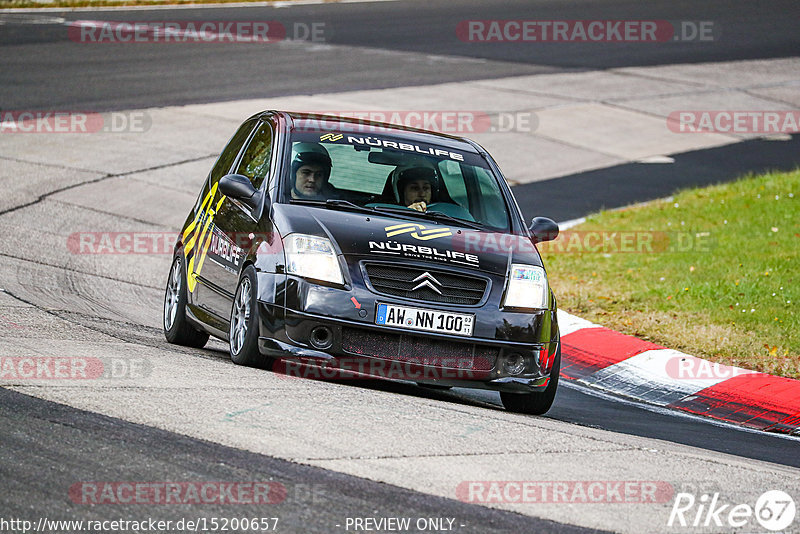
<point x="44" y="196"/>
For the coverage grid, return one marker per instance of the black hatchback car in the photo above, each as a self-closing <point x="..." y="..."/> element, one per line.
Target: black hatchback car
<point x="372" y="249"/>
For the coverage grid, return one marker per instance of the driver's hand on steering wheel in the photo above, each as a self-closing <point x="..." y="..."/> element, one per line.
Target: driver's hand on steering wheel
<point x="419" y="206"/>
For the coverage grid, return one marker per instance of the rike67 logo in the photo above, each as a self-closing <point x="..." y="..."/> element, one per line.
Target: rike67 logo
<point x="774" y="510"/>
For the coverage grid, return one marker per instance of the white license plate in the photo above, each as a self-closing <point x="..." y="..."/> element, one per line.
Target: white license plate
<point x="428" y="320"/>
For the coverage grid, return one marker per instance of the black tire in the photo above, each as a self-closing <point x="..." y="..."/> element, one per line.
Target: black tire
<point x="177" y="328"/>
<point x="537" y="403"/>
<point x="243" y="331"/>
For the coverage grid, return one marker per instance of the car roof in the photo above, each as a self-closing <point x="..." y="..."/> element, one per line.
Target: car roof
<point x="363" y="126"/>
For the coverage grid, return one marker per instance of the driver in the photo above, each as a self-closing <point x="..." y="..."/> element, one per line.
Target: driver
<point x="311" y="170"/>
<point x="416" y="187"/>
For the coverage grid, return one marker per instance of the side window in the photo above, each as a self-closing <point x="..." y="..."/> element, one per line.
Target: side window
<point x="226" y="159"/>
<point x="454" y="181"/>
<point x="492" y="199"/>
<point x="483" y="199"/>
<point x="256" y="159"/>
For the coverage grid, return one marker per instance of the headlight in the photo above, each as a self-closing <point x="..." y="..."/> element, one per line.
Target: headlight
<point x="312" y="257"/>
<point x="527" y="287"/>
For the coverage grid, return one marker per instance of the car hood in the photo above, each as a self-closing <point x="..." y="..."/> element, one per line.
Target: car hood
<point x="385" y="238"/>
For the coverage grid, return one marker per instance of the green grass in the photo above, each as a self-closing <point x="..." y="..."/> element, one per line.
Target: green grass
<point x="720" y="279"/>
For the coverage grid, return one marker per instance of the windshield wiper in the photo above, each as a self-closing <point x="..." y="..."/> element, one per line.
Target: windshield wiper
<point x="332" y="203"/>
<point x="341" y="203"/>
<point x="434" y="215"/>
<point x="444" y="216"/>
<point x="306" y="201"/>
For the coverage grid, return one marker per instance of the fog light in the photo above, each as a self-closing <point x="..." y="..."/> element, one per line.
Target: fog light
<point x="514" y="363"/>
<point x="321" y="337"/>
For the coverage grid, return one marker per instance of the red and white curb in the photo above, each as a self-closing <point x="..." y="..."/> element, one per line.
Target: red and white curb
<point x="628" y="366"/>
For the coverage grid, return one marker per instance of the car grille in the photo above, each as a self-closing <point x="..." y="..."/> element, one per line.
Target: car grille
<point x="399" y="281"/>
<point x="419" y="350"/>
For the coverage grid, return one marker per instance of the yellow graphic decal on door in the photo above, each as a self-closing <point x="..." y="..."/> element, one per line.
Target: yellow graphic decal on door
<point x="200" y="236"/>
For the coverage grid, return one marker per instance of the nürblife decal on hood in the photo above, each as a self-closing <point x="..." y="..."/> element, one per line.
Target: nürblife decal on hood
<point x="422" y="252"/>
<point x="422" y="233"/>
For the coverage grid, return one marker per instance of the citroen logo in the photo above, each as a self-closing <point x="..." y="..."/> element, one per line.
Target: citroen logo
<point x="427" y="281"/>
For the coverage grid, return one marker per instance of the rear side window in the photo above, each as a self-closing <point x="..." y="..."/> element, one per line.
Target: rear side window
<point x="256" y="159"/>
<point x="228" y="156"/>
<point x="476" y="190"/>
<point x="451" y="172"/>
<point x="493" y="205"/>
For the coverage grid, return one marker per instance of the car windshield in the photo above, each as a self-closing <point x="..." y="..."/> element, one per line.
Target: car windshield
<point x="392" y="174"/>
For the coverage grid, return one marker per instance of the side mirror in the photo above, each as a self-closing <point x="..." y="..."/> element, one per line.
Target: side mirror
<point x="543" y="229"/>
<point x="240" y="188"/>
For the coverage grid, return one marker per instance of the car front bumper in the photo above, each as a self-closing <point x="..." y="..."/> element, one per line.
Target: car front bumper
<point x="360" y="349"/>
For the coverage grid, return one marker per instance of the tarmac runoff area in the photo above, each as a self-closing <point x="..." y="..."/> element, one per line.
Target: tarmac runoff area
<point x="57" y="303"/>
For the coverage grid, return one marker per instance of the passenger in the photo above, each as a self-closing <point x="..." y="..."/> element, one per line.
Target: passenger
<point x="311" y="170"/>
<point x="417" y="187"/>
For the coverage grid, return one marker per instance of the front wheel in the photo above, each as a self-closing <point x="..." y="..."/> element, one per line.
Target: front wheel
<point x="539" y="402"/>
<point x="243" y="333"/>
<point x="177" y="329"/>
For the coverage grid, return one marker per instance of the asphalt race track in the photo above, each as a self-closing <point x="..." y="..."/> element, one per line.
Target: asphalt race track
<point x="348" y="449"/>
<point x="384" y="44"/>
